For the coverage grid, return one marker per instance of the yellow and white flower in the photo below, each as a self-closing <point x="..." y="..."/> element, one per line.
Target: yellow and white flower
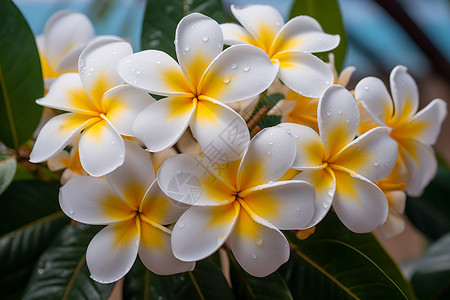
<point x="289" y="45"/>
<point x="341" y="168"/>
<point x="414" y="131"/>
<point x="197" y="88"/>
<point x="100" y="106"/>
<point x="135" y="211"/>
<point x="240" y="201"/>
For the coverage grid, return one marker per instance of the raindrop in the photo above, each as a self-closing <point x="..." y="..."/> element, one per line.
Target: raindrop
<point x="158" y="62"/>
<point x="288" y="131"/>
<point x="70" y="210"/>
<point x="347" y="121"/>
<point x="259" y="242"/>
<point x="138" y="71"/>
<point x="205" y="38"/>
<point x="270" y="182"/>
<point x="340" y="112"/>
<point x="181" y="225"/>
<point x="187" y="48"/>
<point x="269" y="153"/>
<point x="254" y="255"/>
<point x="234" y="66"/>
<point x="246" y="68"/>
<point x="40" y="271"/>
<point x="91" y="69"/>
<point x="325" y="204"/>
<point x="366" y="88"/>
<point x="270" y="143"/>
<point x="178" y="171"/>
<point x="330" y="193"/>
<point x="375" y="163"/>
<point x="329" y="113"/>
<point x="113" y="142"/>
<point x="297" y="208"/>
<point x="227" y="79"/>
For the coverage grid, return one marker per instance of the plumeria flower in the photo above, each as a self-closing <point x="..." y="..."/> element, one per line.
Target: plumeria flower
<point x="197" y="88"/>
<point x="396" y="197"/>
<point x="135" y="211"/>
<point x="289" y="45"/>
<point x="414" y="131"/>
<point x="100" y="106"/>
<point x="342" y="169"/>
<point x="240" y="201"/>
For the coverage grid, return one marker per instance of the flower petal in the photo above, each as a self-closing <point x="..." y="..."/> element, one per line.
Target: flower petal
<point x="425" y="126"/>
<point x="310" y="152"/>
<point x="304" y="73"/>
<point x="161" y="124"/>
<point x="405" y="94"/>
<point x="234" y="34"/>
<point x="372" y="155"/>
<point x="198" y="40"/>
<point x="101" y="148"/>
<point x="188" y="179"/>
<point x="394" y="224"/>
<point x="304" y="33"/>
<point x="202" y="230"/>
<point x="258" y="246"/>
<point x="287" y="205"/>
<point x="122" y="104"/>
<point x="112" y="252"/>
<point x="56" y="134"/>
<point x="91" y="200"/>
<point x="154" y="71"/>
<point x="155" y="251"/>
<point x="270" y="154"/>
<point x="262" y="21"/>
<point x="238" y="73"/>
<point x="359" y="203"/>
<point x="338" y="118"/>
<point x="221" y="132"/>
<point x="374" y="96"/>
<point x="325" y="186"/>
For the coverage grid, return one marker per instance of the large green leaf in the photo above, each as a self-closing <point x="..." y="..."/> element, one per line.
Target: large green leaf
<point x="328" y="14"/>
<point x="30" y="217"/>
<point x="62" y="273"/>
<point x="431" y="279"/>
<point x="8" y="166"/>
<point x="20" y="77"/>
<point x="162" y="16"/>
<point x="205" y="282"/>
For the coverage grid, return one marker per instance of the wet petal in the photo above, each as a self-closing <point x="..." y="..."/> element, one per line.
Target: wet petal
<point x="405" y="94"/>
<point x="155" y="251"/>
<point x="258" y="246"/>
<point x="304" y="73"/>
<point x="359" y="203"/>
<point x="161" y="124"/>
<point x="112" y="252"/>
<point x="338" y="118"/>
<point x="91" y="200"/>
<point x="234" y="34"/>
<point x="56" y="134"/>
<point x="238" y="73"/>
<point x="374" y="96"/>
<point x="270" y="154"/>
<point x="101" y="148"/>
<point x="288" y="205"/>
<point x="202" y="230"/>
<point x="222" y="133"/>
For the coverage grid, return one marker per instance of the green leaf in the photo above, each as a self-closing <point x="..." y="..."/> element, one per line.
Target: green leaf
<point x="20" y="78"/>
<point x="431" y="279"/>
<point x="162" y="16"/>
<point x="205" y="282"/>
<point x="30" y="217"/>
<point x="259" y="115"/>
<point x="62" y="273"/>
<point x="8" y="166"/>
<point x="328" y="14"/>
<point x="246" y="286"/>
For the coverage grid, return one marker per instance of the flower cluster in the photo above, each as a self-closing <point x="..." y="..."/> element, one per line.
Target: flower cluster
<point x="176" y="179"/>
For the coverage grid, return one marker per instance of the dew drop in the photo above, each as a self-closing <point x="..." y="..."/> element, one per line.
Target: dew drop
<point x="329" y="113"/>
<point x="288" y="131"/>
<point x="91" y="69"/>
<point x="269" y="153"/>
<point x="205" y="38"/>
<point x="175" y="41"/>
<point x="114" y="52"/>
<point x="347" y="121"/>
<point x="270" y="143"/>
<point x="138" y="71"/>
<point x="181" y="225"/>
<point x="270" y="182"/>
<point x="40" y="271"/>
<point x="226" y="79"/>
<point x="254" y="255"/>
<point x="259" y="242"/>
<point x="246" y="68"/>
<point x="366" y="88"/>
<point x="81" y="63"/>
<point x="325" y="204"/>
<point x="187" y="48"/>
<point x="340" y="112"/>
<point x="178" y="171"/>
<point x="234" y="66"/>
<point x="330" y="193"/>
<point x="375" y="163"/>
<point x="158" y="62"/>
<point x="297" y="208"/>
<point x="70" y="210"/>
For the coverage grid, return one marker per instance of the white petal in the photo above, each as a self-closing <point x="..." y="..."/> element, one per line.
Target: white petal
<point x="287" y="205"/>
<point x="198" y="40"/>
<point x="372" y="93"/>
<point x="359" y="203"/>
<point x="304" y="73"/>
<point x="188" y="178"/>
<point x="91" y="200"/>
<point x="122" y="104"/>
<point x="202" y="230"/>
<point x="338" y="118"/>
<point x="161" y="124"/>
<point x="270" y="154"/>
<point x="56" y="134"/>
<point x="112" y="252"/>
<point x="59" y="161"/>
<point x="234" y="34"/>
<point x="154" y="71"/>
<point x="258" y="246"/>
<point x="238" y="73"/>
<point x="101" y="148"/>
<point x="69" y="63"/>
<point x="222" y="133"/>
<point x="404" y="92"/>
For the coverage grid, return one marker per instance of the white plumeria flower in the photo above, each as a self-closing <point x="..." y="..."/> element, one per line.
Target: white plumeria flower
<point x="100" y="106"/>
<point x="289" y="45"/>
<point x="396" y="197"/>
<point x="131" y="203"/>
<point x="342" y="169"/>
<point x="197" y="88"/>
<point x="244" y="204"/>
<point x="414" y="131"/>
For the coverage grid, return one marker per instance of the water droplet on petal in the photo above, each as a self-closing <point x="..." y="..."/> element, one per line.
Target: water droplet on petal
<point x="259" y="242"/>
<point x="178" y="171"/>
<point x="113" y="142"/>
<point x="246" y="68"/>
<point x="270" y="143"/>
<point x="278" y="23"/>
<point x="254" y="255"/>
<point x="297" y="208"/>
<point x="269" y="153"/>
<point x="70" y="210"/>
<point x="40" y="271"/>
<point x="329" y="113"/>
<point x="187" y="48"/>
<point x="234" y="66"/>
<point x="330" y="193"/>
<point x="325" y="204"/>
<point x="375" y="163"/>
<point x="91" y="69"/>
<point x="288" y="131"/>
<point x="366" y="88"/>
<point x="114" y="52"/>
<point x="270" y="182"/>
<point x="138" y="71"/>
<point x="205" y="38"/>
<point x="227" y="79"/>
<point x="81" y="63"/>
<point x="181" y="225"/>
<point x="340" y="112"/>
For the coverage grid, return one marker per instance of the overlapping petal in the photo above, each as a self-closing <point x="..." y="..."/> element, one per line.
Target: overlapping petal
<point x="234" y="34"/>
<point x="374" y="96"/>
<point x="404" y="93"/>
